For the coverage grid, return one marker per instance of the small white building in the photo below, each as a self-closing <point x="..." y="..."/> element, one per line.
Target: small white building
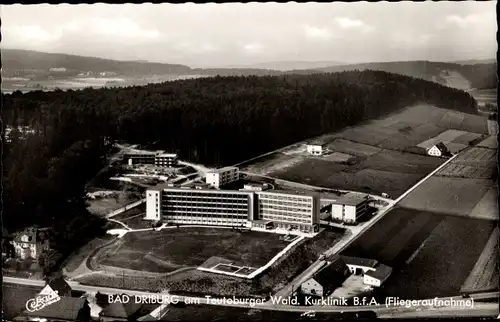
<point x="30" y="243"/>
<point x="57" y="69"/>
<point x="220" y="177"/>
<point x="315" y="149"/>
<point x="438" y="150"/>
<point x="350" y="207"/>
<point x="378" y="276"/>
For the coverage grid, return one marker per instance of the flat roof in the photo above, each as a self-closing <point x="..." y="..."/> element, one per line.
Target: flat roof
<point x="262" y="222"/>
<point x="186" y="188"/>
<point x="222" y="169"/>
<point x="168" y="155"/>
<point x="289" y="192"/>
<point x="139" y="152"/>
<point x="351" y="199"/>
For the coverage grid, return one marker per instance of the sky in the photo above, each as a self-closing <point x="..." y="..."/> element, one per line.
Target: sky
<point x="202" y="35"/>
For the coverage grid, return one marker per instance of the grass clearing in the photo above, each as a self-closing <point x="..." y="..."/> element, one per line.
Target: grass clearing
<point x="187" y="247"/>
<point x="201" y="283"/>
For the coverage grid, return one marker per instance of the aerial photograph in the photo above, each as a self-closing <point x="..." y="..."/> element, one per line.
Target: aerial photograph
<point x="249" y="161"/>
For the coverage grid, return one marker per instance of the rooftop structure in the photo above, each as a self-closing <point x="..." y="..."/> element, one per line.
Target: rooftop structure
<point x="351" y="199"/>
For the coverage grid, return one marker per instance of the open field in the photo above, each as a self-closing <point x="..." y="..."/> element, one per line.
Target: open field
<point x="484" y="275"/>
<point x="375" y="157"/>
<point x="77" y="258"/>
<point x="448" y="195"/>
<point x="186" y="247"/>
<point x="387" y="171"/>
<point x="431" y="254"/>
<point x="443" y="262"/>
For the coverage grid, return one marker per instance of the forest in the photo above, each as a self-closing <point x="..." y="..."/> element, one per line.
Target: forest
<point x="216" y="121"/>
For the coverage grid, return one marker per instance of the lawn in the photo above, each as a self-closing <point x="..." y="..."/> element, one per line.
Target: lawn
<point x="188" y="247"/>
<point x="76" y="259"/>
<point x="197" y="282"/>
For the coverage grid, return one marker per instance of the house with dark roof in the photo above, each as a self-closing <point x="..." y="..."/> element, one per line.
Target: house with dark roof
<point x="65" y="309"/>
<point x="31" y="242"/>
<point x="378" y="276"/>
<point x="438" y="150"/>
<point x="119" y="311"/>
<point x="359" y="265"/>
<point x="324" y="282"/>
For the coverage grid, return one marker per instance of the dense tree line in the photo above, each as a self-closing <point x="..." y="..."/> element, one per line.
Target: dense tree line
<point x="216" y="121"/>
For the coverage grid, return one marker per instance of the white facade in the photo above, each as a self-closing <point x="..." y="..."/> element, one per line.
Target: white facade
<point x="368" y="280"/>
<point x="200" y="206"/>
<point x="315" y="149"/>
<point x="288" y="211"/>
<point x="435" y="151"/>
<point x="153" y="205"/>
<point x="312" y="287"/>
<point x="223" y="176"/>
<point x="349" y="208"/>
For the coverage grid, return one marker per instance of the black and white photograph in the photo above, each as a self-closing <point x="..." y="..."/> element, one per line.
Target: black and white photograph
<point x="249" y="161"/>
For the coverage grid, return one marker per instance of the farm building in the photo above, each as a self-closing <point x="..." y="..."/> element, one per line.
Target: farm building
<point x="223" y="176"/>
<point x="438" y="150"/>
<point x="315" y="149"/>
<point x="350" y="207"/>
<point x="358" y="265"/>
<point x="378" y="276"/>
<point x="327" y="279"/>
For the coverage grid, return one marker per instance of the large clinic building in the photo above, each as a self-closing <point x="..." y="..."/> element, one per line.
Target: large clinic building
<point x="281" y="209"/>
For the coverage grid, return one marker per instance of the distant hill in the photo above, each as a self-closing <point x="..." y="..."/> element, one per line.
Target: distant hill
<point x="16" y="60"/>
<point x="33" y="64"/>
<point x="478" y="75"/>
<point x="293" y="65"/>
<point x="475" y="61"/>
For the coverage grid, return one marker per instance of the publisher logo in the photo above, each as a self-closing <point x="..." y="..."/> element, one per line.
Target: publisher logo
<point x="46" y="297"/>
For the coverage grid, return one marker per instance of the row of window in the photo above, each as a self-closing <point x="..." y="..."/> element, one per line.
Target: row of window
<point x="305" y="203"/>
<point x="219" y="207"/>
<point x="284" y="208"/>
<point x="285" y="213"/>
<point x="239" y="219"/>
<point x="280" y="218"/>
<point x="190" y="193"/>
<point x="207" y="200"/>
<point x="207" y="212"/>
<point x="284" y="198"/>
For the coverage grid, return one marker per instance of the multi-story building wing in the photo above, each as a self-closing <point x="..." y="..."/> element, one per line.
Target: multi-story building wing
<point x="200" y="206"/>
<point x="166" y="160"/>
<point x="350" y="207"/>
<point x="220" y="177"/>
<point x="140" y="158"/>
<point x="288" y="210"/>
